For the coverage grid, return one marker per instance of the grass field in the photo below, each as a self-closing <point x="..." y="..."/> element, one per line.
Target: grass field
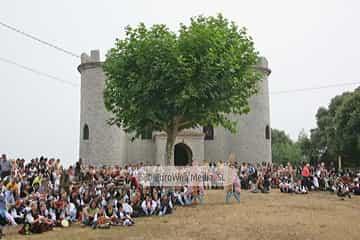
<point x="258" y="216"/>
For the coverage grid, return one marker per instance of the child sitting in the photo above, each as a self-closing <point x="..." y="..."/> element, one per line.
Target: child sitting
<point x="148" y="206"/>
<point x="165" y="205"/>
<point x="343" y="191"/>
<point x="124" y="216"/>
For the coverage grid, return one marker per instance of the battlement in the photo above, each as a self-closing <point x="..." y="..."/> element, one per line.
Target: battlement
<point x="263" y="65"/>
<point x="89" y="61"/>
<point x="94" y="57"/>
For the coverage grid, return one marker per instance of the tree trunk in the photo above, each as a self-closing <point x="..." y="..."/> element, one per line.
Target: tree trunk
<point x="170" y="140"/>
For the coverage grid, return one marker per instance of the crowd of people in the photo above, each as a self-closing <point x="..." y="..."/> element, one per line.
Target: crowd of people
<point x="301" y="179"/>
<point x="41" y="194"/>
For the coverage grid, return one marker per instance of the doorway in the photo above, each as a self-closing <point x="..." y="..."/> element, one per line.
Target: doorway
<point x="182" y="155"/>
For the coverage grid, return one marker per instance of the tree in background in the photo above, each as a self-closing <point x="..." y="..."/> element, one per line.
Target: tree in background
<point x="338" y="130"/>
<point x="161" y="81"/>
<point x="284" y="150"/>
<point x="308" y="152"/>
<point x="347" y="127"/>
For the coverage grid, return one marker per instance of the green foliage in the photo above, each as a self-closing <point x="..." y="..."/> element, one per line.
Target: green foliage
<point x="284" y="150"/>
<point x="337" y="134"/>
<point x="338" y="130"/>
<point x="347" y="124"/>
<point x="165" y="81"/>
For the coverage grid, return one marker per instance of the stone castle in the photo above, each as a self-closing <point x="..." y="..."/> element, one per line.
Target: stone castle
<point x="102" y="144"/>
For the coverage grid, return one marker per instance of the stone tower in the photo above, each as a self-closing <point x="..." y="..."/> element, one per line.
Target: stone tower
<point x="101" y="144"/>
<point x="252" y="142"/>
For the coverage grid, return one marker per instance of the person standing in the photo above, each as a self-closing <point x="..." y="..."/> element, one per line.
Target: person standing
<point x="232" y="182"/>
<point x="305" y="173"/>
<point x="5" y="167"/>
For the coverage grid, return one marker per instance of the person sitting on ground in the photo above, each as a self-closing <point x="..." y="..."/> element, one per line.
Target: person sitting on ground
<point x="299" y="188"/>
<point x="34" y="222"/>
<point x="70" y="211"/>
<point x="343" y="190"/>
<point x="44" y="212"/>
<point x="148" y="206"/>
<point x="260" y="184"/>
<point x="60" y="212"/>
<point x="356" y="185"/>
<point x="18" y="212"/>
<point x="285" y="185"/>
<point x="267" y="183"/>
<point x="124" y="216"/>
<point x="110" y="214"/>
<point x="165" y="205"/>
<point x="90" y="214"/>
<point x="135" y="204"/>
<point x="156" y="198"/>
<point x="179" y="196"/>
<point x="254" y="186"/>
<point x="101" y="221"/>
<point x="127" y="208"/>
<point x="187" y="195"/>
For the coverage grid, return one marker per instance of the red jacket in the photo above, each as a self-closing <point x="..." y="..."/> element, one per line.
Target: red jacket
<point x="305" y="172"/>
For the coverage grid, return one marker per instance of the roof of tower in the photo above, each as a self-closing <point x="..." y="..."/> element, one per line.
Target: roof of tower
<point x="264" y="65"/>
<point x="89" y="61"/>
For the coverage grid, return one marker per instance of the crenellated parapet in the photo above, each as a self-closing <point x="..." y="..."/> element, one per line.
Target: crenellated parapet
<point x="91" y="61"/>
<point x="263" y="65"/>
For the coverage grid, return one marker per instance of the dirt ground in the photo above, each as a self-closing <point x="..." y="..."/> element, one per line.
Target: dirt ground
<point x="258" y="216"/>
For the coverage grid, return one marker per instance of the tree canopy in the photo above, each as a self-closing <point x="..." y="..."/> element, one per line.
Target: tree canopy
<point x="338" y="130"/>
<point x="337" y="134"/>
<point x="159" y="80"/>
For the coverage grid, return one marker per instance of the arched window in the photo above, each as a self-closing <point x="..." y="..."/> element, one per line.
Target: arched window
<point x="267" y="132"/>
<point x="209" y="132"/>
<point x="86" y="132"/>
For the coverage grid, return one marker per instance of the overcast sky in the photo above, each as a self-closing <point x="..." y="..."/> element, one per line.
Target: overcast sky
<point x="308" y="43"/>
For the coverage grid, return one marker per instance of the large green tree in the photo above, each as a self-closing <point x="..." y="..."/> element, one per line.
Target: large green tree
<point x="347" y="125"/>
<point x="337" y="132"/>
<point x="159" y="80"/>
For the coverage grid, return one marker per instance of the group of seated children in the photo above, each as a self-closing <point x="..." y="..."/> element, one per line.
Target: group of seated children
<point x="288" y="185"/>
